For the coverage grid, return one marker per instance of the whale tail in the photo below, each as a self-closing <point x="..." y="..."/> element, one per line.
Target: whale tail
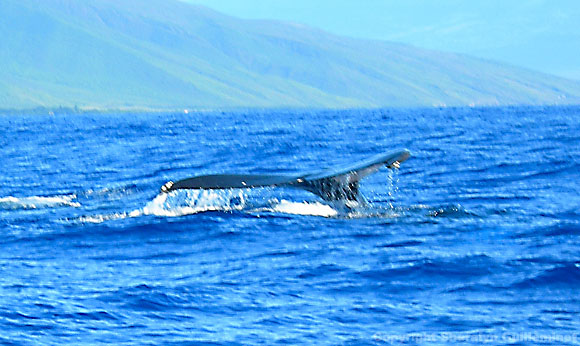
<point x="335" y="184"/>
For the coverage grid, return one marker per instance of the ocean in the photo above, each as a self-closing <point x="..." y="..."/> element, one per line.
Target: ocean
<point x="475" y="239"/>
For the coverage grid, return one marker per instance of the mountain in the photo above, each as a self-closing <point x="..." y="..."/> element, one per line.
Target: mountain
<point x="540" y="34"/>
<point x="167" y="54"/>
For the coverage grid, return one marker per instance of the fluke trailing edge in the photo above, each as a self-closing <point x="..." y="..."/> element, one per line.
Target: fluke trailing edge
<point x="334" y="184"/>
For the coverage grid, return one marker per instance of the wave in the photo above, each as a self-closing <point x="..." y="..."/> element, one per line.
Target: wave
<point x="38" y="202"/>
<point x="459" y="268"/>
<point x="450" y="211"/>
<point x="562" y="276"/>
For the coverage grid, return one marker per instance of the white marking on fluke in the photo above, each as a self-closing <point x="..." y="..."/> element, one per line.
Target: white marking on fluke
<point x="167" y="187"/>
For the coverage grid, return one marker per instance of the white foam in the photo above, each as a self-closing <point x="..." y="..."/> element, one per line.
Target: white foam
<point x="102" y="218"/>
<point x="304" y="208"/>
<point x="38" y="202"/>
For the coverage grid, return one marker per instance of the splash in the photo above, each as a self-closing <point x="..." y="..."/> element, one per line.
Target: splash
<point x="193" y="202"/>
<point x="179" y="203"/>
<point x="38" y="202"/>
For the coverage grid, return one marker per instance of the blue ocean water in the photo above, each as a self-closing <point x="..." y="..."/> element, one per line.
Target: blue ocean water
<point x="475" y="239"/>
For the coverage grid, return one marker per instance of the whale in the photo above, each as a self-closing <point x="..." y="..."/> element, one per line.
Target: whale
<point x="331" y="184"/>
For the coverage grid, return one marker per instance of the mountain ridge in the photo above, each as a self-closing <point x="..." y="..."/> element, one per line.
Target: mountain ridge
<point x="170" y="55"/>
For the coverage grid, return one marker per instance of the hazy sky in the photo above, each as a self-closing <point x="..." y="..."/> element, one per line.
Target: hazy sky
<point x="540" y="34"/>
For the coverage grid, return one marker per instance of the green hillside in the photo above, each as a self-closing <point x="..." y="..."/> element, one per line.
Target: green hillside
<point x="169" y="54"/>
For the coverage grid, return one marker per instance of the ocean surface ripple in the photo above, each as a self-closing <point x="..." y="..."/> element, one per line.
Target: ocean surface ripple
<point x="475" y="239"/>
